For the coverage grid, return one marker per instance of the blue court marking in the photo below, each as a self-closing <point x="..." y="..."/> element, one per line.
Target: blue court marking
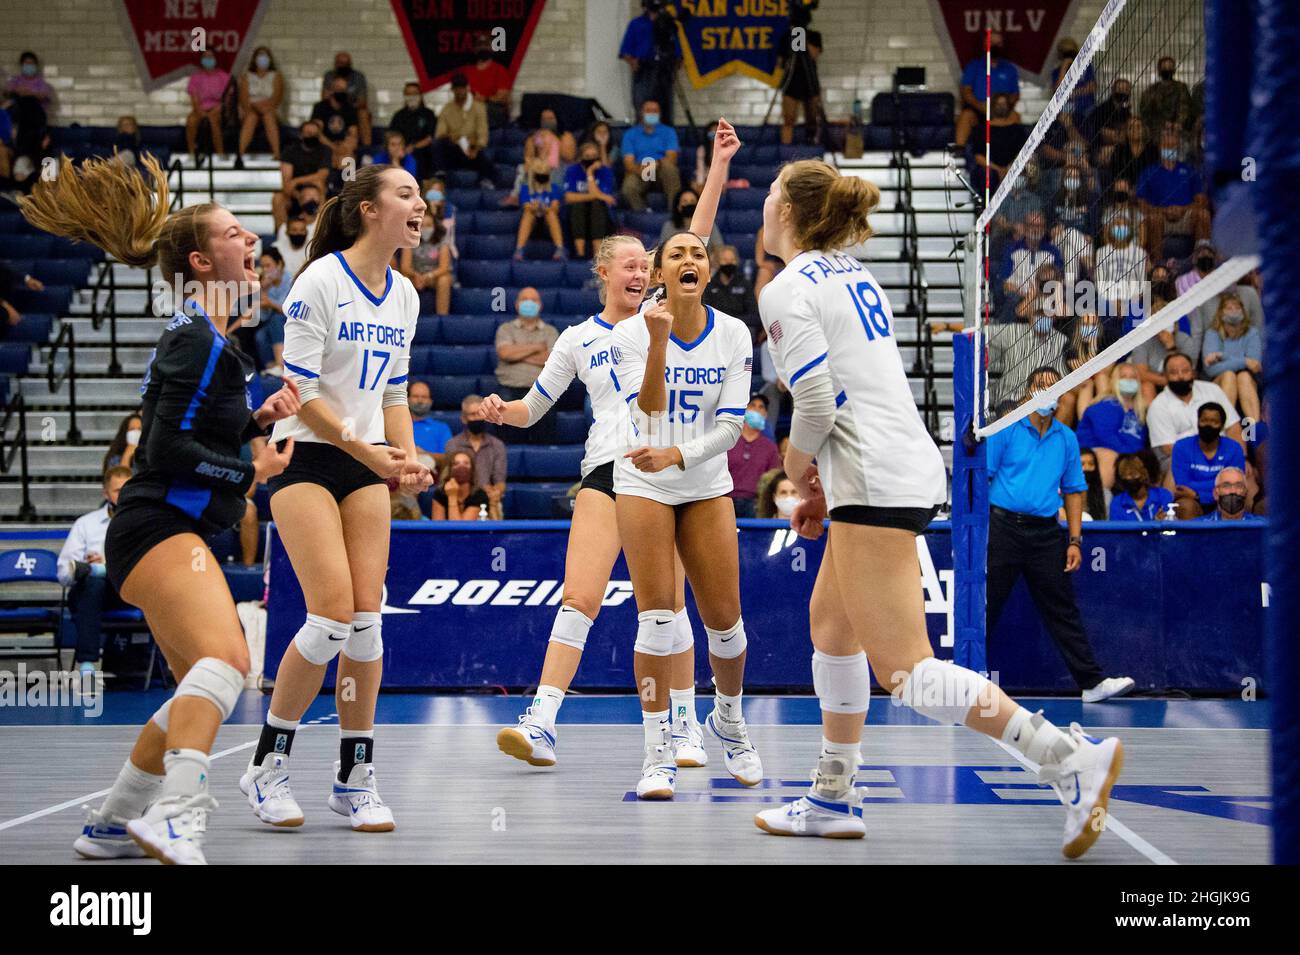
<point x="133" y="708"/>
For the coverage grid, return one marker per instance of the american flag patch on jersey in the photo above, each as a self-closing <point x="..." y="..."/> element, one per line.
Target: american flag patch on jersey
<point x="749" y="364"/>
<point x="774" y="330"/>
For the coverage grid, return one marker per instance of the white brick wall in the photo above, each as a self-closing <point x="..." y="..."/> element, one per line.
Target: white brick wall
<point x="88" y="60"/>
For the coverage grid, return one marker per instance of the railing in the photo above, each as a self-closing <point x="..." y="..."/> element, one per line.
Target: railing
<point x="17" y="406"/>
<point x="66" y="334"/>
<point x="106" y="288"/>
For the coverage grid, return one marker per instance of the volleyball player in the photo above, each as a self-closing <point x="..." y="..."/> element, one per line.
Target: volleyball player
<point x="189" y="483"/>
<point x="622" y="267"/>
<point x="347" y="339"/>
<point x="880" y="477"/>
<point x="684" y="371"/>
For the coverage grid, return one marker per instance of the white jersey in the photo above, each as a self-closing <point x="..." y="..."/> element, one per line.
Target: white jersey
<point x="826" y="315"/>
<point x="583" y="352"/>
<point x="354" y="343"/>
<point x="707" y="379"/>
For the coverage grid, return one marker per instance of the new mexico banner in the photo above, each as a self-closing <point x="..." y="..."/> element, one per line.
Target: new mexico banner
<point x="169" y="36"/>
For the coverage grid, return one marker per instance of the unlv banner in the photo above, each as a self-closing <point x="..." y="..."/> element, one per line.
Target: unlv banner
<point x="1029" y="28"/>
<point x="722" y="37"/>
<point x="169" y="36"/>
<point x="440" y="34"/>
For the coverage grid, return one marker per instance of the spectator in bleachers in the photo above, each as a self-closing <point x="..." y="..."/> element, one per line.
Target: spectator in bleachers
<point x="6" y="147"/>
<point x="261" y="91"/>
<point x="1204" y="261"/>
<point x="1119" y="202"/>
<point x="766" y="265"/>
<point x="652" y="50"/>
<point x="275" y="284"/>
<point x="1024" y="257"/>
<point x="292" y="244"/>
<point x="1175" y="205"/>
<point x="548" y="142"/>
<point x="435" y="194"/>
<point x="683" y="210"/>
<point x="403" y="507"/>
<point x="650" y="159"/>
<point x="1005" y="79"/>
<point x="801" y="85"/>
<point x="339" y="121"/>
<point x="126" y="144"/>
<point x="207" y="89"/>
<point x="1076" y="250"/>
<point x="1105" y="125"/>
<point x="777" y="496"/>
<point x="1199" y="321"/>
<point x="31" y="101"/>
<point x="751" y="457"/>
<point x="589" y="196"/>
<point x="1174" y="413"/>
<point x="1088" y="338"/>
<point x="10" y="283"/>
<point x="417" y="123"/>
<point x="461" y="136"/>
<point x="1008" y="220"/>
<point x="395" y="153"/>
<point x="1022" y="344"/>
<point x="540" y="202"/>
<point x="1149" y="357"/>
<point x="489" y="81"/>
<point x="81" y="570"/>
<point x="1094" y="499"/>
<point x="1007" y="135"/>
<point x="729" y="291"/>
<point x="121" y="450"/>
<point x="1134" y="153"/>
<point x="1230" y="497"/>
<point x="489" y="451"/>
<point x="1115" y="423"/>
<point x="611" y="154"/>
<point x="429" y="265"/>
<point x="306" y="161"/>
<point x="703" y="157"/>
<point x="1198" y="458"/>
<point x="1167" y="103"/>
<point x="1121" y="269"/>
<point x="460" y="497"/>
<point x="357" y="89"/>
<point x="1084" y="94"/>
<point x="523" y="345"/>
<point x="1232" y="353"/>
<point x="1136" y="498"/>
<point x="431" y="435"/>
<point x="1075" y="203"/>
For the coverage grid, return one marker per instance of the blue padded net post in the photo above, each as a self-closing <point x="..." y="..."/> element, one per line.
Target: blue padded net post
<point x="970" y="509"/>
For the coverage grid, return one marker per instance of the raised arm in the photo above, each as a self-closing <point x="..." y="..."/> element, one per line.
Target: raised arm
<point x="725" y="145"/>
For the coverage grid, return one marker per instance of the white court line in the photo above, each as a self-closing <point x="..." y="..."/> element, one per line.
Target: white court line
<point x="1112" y="824"/>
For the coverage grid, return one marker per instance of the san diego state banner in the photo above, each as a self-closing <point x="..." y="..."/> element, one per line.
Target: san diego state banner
<point x="440" y="34"/>
<point x="722" y="37"/>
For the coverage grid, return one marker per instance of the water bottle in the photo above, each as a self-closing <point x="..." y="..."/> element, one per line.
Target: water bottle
<point x="857" y="111"/>
<point x="748" y="270"/>
<point x="482" y="512"/>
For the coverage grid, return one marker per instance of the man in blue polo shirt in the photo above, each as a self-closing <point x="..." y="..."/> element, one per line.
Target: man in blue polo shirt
<point x="1032" y="464"/>
<point x="1005" y="79"/>
<point x="1172" y="196"/>
<point x="1230" y="498"/>
<point x="650" y="159"/>
<point x="431" y="435"/>
<point x="1197" y="459"/>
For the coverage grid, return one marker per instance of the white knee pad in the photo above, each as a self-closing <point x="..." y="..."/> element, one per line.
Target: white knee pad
<point x="842" y="684"/>
<point x="571" y="628"/>
<point x="941" y="690"/>
<point x="162" y="715"/>
<point x="655" y="630"/>
<point x="683" y="636"/>
<point x="215" y="681"/>
<point x="365" y="642"/>
<point x="728" y="644"/>
<point x="320" y="639"/>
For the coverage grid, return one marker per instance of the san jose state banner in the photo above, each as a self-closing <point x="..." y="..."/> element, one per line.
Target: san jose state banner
<point x="1029" y="28"/>
<point x="440" y="34"/>
<point x="723" y="37"/>
<point x="168" y="36"/>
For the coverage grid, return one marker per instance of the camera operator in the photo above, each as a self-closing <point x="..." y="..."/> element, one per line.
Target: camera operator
<point x="799" y="49"/>
<point x="651" y="48"/>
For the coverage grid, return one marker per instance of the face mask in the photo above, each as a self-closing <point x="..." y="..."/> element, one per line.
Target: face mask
<point x="785" y="505"/>
<point x="1044" y="406"/>
<point x="1121" y="101"/>
<point x="1205" y="263"/>
<point x="1088" y="331"/>
<point x="549" y="124"/>
<point x="29" y="69"/>
<point x="1169" y="155"/>
<point x="589" y="161"/>
<point x="1232" y="503"/>
<point x="476" y="427"/>
<point x="727" y="270"/>
<point x="312" y="141"/>
<point x="1043" y="325"/>
<point x="420" y="408"/>
<point x="1128" y="387"/>
<point x="343" y="70"/>
<point x="652" y="119"/>
<point x="1181" y="388"/>
<point x="1166" y="74"/>
<point x="263" y="61"/>
<point x="208" y="62"/>
<point x="686" y="211"/>
<point x="133" y="437"/>
<point x="411" y="102"/>
<point x="1122" y="196"/>
<point x="996" y="50"/>
<point x="529" y="308"/>
<point x="1132" y="486"/>
<point x="310" y="207"/>
<point x="434" y="195"/>
<point x="426" y="232"/>
<point x="461" y="473"/>
<point x="297" y="239"/>
<point x="1071" y="184"/>
<point x="1208" y="433"/>
<point x="1120" y="232"/>
<point x="1233" y="318"/>
<point x="483" y="56"/>
<point x="755" y="420"/>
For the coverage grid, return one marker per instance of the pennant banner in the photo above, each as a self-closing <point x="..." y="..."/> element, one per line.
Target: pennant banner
<point x="1029" y="28"/>
<point x="440" y="34"/>
<point x="168" y="36"/>
<point x="723" y="37"/>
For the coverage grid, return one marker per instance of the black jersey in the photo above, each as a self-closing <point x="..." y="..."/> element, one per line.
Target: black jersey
<point x="196" y="410"/>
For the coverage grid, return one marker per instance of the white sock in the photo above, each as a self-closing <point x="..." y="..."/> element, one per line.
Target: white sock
<point x="850" y="751"/>
<point x="131" y="794"/>
<point x="1036" y="739"/>
<point x="279" y="723"/>
<point x="657" y="728"/>
<point x="728" y="706"/>
<point x="187" y="773"/>
<point x="546" y="704"/>
<point x="836" y="767"/>
<point x="683" y="702"/>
